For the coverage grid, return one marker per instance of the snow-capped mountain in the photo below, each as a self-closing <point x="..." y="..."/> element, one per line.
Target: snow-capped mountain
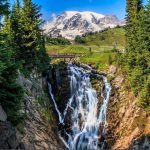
<point x="72" y="23"/>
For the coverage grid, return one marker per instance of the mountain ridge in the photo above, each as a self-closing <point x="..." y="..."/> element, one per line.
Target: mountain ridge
<point x="69" y="24"/>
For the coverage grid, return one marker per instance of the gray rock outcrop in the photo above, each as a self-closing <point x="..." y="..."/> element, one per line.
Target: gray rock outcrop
<point x="3" y="115"/>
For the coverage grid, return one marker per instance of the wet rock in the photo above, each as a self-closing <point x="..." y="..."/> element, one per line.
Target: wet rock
<point x="142" y="143"/>
<point x="90" y="68"/>
<point x="58" y="78"/>
<point x="9" y="138"/>
<point x="3" y="115"/>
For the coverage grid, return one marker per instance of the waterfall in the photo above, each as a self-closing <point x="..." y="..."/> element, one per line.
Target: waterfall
<point x="54" y="102"/>
<point x="85" y="117"/>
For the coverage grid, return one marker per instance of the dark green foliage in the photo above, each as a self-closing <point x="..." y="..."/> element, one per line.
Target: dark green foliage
<point x="10" y="92"/>
<point x="28" y="41"/>
<point x="110" y="60"/>
<point x="22" y="47"/>
<point x="79" y="40"/>
<point x="114" y="49"/>
<point x="43" y="58"/>
<point x="137" y="53"/>
<point x="3" y="8"/>
<point x="90" y="51"/>
<point x="145" y="94"/>
<point x="57" y="41"/>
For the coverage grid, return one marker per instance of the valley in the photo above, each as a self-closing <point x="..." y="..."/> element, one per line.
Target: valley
<point x="80" y="80"/>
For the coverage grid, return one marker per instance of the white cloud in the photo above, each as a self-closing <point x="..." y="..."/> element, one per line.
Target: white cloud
<point x="53" y="16"/>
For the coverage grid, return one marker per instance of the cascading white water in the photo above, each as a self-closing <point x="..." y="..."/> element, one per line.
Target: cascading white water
<point x="85" y="116"/>
<point x="55" y="105"/>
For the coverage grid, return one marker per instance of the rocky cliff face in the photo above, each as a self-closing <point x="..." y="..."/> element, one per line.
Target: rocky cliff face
<point x="39" y="129"/>
<point x="10" y="138"/>
<point x="128" y="124"/>
<point x="58" y="78"/>
<point x="72" y="23"/>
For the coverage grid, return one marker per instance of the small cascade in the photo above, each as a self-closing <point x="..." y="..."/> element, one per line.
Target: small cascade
<point x="85" y="118"/>
<point x="54" y="102"/>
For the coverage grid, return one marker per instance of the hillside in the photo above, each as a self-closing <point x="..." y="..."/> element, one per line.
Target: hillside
<point x="108" y="37"/>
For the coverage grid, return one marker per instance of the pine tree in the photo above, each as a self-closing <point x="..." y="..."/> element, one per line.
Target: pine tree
<point x="10" y="92"/>
<point x="16" y="31"/>
<point x="143" y="56"/>
<point x="133" y="8"/>
<point x="138" y="49"/>
<point x="31" y="46"/>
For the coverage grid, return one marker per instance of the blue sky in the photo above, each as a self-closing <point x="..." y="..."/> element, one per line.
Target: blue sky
<point x="51" y="7"/>
<point x="115" y="7"/>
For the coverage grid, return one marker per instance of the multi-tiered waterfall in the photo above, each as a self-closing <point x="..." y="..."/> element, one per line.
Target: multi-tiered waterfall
<point x="84" y="115"/>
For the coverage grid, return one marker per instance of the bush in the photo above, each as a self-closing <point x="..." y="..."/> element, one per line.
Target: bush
<point x="145" y="95"/>
<point x="11" y="96"/>
<point x="57" y="41"/>
<point x="80" y="40"/>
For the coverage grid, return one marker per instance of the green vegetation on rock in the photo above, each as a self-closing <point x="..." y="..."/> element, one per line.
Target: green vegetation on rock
<point x="10" y="92"/>
<point x="22" y="49"/>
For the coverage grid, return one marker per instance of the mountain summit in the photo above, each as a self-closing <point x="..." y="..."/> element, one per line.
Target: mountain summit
<point x="72" y="23"/>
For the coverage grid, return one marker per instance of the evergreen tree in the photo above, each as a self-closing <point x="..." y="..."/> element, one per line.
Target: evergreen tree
<point x="17" y="32"/>
<point x="33" y="46"/>
<point x="3" y="8"/>
<point x="10" y="92"/>
<point x="27" y="37"/>
<point x="132" y="9"/>
<point x="143" y="56"/>
<point x="138" y="49"/>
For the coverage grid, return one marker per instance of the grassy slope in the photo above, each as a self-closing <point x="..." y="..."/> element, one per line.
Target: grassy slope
<point x="107" y="38"/>
<point x="101" y="45"/>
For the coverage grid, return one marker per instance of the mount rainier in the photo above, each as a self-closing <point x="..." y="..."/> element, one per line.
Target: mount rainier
<point x="72" y="23"/>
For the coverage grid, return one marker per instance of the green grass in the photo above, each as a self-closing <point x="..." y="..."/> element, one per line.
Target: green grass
<point x="76" y="48"/>
<point x="107" y="38"/>
<point x="98" y="57"/>
<point x="99" y="60"/>
<point x="101" y="45"/>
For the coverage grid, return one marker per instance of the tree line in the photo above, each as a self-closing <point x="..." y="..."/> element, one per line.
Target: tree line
<point x="137" y="56"/>
<point x="22" y="49"/>
<point x="57" y="41"/>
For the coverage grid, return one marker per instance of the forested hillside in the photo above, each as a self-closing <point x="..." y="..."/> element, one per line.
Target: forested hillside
<point x="22" y="49"/>
<point x="137" y="56"/>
